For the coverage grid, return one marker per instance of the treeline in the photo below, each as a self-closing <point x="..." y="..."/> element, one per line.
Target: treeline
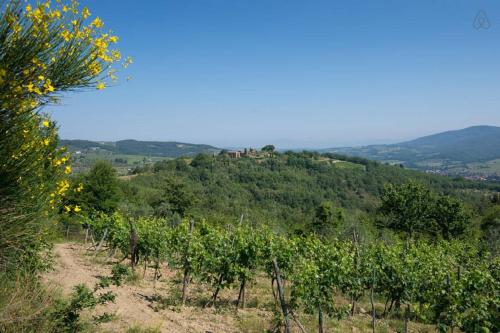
<point x="446" y="283"/>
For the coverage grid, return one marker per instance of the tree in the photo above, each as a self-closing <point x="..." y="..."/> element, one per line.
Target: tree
<point x="407" y="208"/>
<point x="451" y="217"/>
<point x="490" y="227"/>
<point x="268" y="148"/>
<point x="100" y="191"/>
<point x="175" y="198"/>
<point x="327" y="218"/>
<point x="412" y="208"/>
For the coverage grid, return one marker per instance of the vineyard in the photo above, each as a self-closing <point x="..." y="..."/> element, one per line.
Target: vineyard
<point x="444" y="283"/>
<point x="322" y="240"/>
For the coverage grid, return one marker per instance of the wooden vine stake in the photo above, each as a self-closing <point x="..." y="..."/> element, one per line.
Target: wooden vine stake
<point x="281" y="294"/>
<point x="187" y="267"/>
<point x="371" y="301"/>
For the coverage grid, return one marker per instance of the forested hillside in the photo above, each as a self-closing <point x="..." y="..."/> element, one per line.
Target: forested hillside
<point x="142" y="148"/>
<point x="284" y="190"/>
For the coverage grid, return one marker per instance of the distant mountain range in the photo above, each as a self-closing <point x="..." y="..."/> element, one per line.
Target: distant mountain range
<point x="144" y="148"/>
<point x="471" y="152"/>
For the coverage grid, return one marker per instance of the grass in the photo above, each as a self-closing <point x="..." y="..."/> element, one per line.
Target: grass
<point x="85" y="161"/>
<point x="25" y="305"/>
<point x="139" y="329"/>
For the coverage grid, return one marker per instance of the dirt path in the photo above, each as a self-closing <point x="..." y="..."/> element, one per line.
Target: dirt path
<point x="142" y="304"/>
<point x="134" y="305"/>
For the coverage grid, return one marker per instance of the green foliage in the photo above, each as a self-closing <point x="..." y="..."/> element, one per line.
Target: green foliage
<point x="43" y="54"/>
<point x="67" y="312"/>
<point x="407" y="207"/>
<point x="490" y="227"/>
<point x="451" y="217"/>
<point x="446" y="282"/>
<point x="175" y="198"/>
<point x="38" y="62"/>
<point x="283" y="192"/>
<point x="327" y="219"/>
<point x="268" y="148"/>
<point x="319" y="273"/>
<point x="144" y="148"/>
<point x="100" y="191"/>
<point x="412" y="208"/>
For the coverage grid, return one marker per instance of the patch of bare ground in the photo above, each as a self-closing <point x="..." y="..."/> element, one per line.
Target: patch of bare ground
<point x="146" y="304"/>
<point x="137" y="304"/>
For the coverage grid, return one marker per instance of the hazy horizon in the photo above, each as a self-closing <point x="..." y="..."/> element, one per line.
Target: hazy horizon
<point x="278" y="146"/>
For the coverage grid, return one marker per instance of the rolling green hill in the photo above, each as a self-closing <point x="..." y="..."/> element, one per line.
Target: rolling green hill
<point x="472" y="152"/>
<point x="143" y="148"/>
<point x="283" y="190"/>
<point x="125" y="155"/>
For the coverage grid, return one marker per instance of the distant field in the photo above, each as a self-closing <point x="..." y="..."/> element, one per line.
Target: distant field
<point x="490" y="167"/>
<point x="122" y="162"/>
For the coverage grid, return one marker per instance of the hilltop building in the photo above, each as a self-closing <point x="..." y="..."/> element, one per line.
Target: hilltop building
<point x="247" y="152"/>
<point x="234" y="154"/>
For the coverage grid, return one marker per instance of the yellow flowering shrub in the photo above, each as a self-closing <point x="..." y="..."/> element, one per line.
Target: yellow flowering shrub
<point x="46" y="48"/>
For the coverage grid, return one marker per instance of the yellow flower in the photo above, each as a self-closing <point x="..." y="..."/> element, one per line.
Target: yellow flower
<point x="113" y="39"/>
<point x="95" y="68"/>
<point x="46" y="142"/>
<point x="116" y="54"/>
<point x="56" y="14"/>
<point x="48" y="86"/>
<point x="17" y="29"/>
<point x="45" y="123"/>
<point x="66" y="35"/>
<point x="65" y="8"/>
<point x="101" y="86"/>
<point x="77" y="209"/>
<point x="67" y="209"/>
<point x="85" y="13"/>
<point x="28" y="8"/>
<point x="97" y="22"/>
<point x="67" y="170"/>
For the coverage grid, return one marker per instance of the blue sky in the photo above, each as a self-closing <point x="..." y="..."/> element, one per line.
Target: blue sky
<point x="292" y="73"/>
